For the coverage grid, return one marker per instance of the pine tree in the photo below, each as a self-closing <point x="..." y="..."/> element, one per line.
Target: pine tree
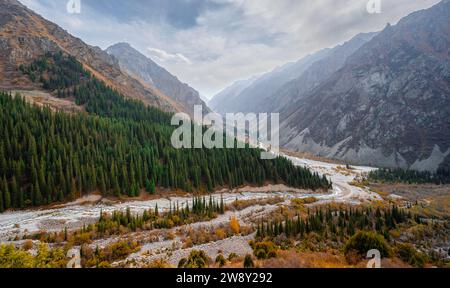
<point x="2" y="206"/>
<point x="37" y="194"/>
<point x="113" y="147"/>
<point x="6" y="195"/>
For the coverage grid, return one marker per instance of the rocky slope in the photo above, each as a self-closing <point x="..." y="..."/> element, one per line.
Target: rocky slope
<point x="274" y="90"/>
<point x="255" y="95"/>
<point x="142" y="67"/>
<point x="388" y="105"/>
<point x="318" y="72"/>
<point x="25" y="36"/>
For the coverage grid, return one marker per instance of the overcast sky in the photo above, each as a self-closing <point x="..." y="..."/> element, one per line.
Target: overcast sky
<point x="209" y="44"/>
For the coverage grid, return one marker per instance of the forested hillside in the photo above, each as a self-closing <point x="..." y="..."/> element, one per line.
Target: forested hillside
<point x="118" y="148"/>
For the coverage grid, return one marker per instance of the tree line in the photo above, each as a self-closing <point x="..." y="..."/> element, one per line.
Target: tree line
<point x="120" y="147"/>
<point x="120" y="222"/>
<point x="200" y="209"/>
<point x="441" y="176"/>
<point x="337" y="222"/>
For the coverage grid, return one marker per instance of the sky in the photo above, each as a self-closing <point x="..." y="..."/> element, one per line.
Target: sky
<point x="210" y="44"/>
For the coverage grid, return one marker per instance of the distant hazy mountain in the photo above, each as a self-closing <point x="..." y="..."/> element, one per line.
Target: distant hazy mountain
<point x="272" y="91"/>
<point x="221" y="102"/>
<point x="254" y="95"/>
<point x="388" y="105"/>
<point x="142" y="67"/>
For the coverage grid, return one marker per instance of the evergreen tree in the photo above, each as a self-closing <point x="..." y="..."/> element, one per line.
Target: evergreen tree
<point x="48" y="156"/>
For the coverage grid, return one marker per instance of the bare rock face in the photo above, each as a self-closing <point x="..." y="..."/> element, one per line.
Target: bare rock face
<point x="273" y="91"/>
<point x="142" y="67"/>
<point x="25" y="36"/>
<point x="379" y="99"/>
<point x="389" y="105"/>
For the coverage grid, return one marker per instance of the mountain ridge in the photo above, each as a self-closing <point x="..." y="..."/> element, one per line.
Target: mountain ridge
<point x="271" y="91"/>
<point x="25" y="36"/>
<point x="385" y="106"/>
<point x="140" y="66"/>
<point x="378" y="99"/>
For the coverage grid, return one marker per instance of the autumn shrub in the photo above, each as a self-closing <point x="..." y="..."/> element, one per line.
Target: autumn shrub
<point x="188" y="243"/>
<point x="27" y="245"/>
<point x="122" y="249"/>
<point x="104" y="264"/>
<point x="182" y="263"/>
<point x="362" y="242"/>
<point x="220" y="233"/>
<point x="113" y="252"/>
<point x="410" y="255"/>
<point x="304" y="201"/>
<point x="11" y="257"/>
<point x="232" y="256"/>
<point x="220" y="260"/>
<point x="158" y="264"/>
<point x="234" y="225"/>
<point x="242" y="204"/>
<point x="82" y="238"/>
<point x="50" y="258"/>
<point x="248" y="261"/>
<point x="264" y="249"/>
<point x="196" y="259"/>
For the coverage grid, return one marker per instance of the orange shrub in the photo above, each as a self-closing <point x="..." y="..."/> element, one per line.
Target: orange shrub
<point x="234" y="225"/>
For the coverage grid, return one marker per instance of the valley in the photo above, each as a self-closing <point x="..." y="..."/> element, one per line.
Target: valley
<point x="217" y="237"/>
<point x="14" y="225"/>
<point x="91" y="176"/>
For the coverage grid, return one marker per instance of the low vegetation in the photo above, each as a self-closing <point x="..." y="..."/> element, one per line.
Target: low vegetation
<point x="101" y="258"/>
<point x="441" y="176"/>
<point x="119" y="223"/>
<point x="43" y="257"/>
<point x="196" y="259"/>
<point x="352" y="232"/>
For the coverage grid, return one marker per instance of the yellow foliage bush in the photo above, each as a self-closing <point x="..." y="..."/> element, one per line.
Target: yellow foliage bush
<point x="221" y="234"/>
<point x="234" y="225"/>
<point x="11" y="257"/>
<point x="303" y="201"/>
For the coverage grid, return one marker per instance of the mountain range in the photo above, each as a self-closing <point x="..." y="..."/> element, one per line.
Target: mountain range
<point x="26" y="36"/>
<point x="379" y="99"/>
<point x="142" y="67"/>
<point x="111" y="133"/>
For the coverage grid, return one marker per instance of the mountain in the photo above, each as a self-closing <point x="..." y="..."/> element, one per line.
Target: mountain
<point x="388" y="105"/>
<point x="220" y="102"/>
<point x="273" y="90"/>
<point x="117" y="146"/>
<point x="25" y="36"/>
<point x="255" y="96"/>
<point x="316" y="73"/>
<point x="142" y="67"/>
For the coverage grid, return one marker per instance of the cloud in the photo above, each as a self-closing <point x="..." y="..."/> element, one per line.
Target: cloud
<point x="211" y="43"/>
<point x="168" y="57"/>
